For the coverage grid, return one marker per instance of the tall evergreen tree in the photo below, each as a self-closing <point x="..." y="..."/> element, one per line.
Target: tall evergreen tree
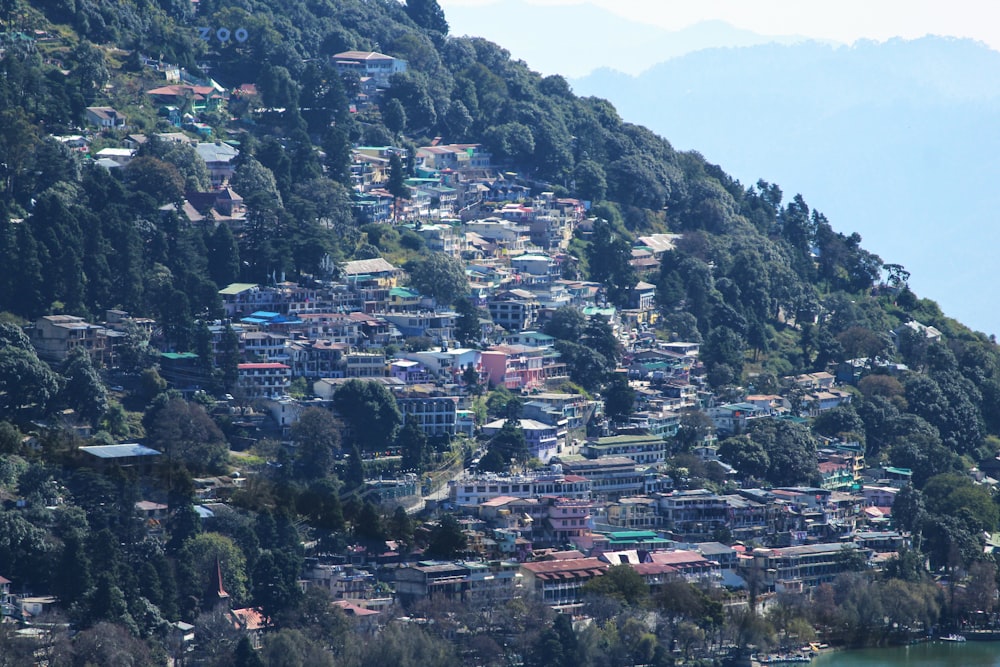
<point x="428" y="15"/>
<point x="223" y="256"/>
<point x="230" y="358"/>
<point x="397" y="185"/>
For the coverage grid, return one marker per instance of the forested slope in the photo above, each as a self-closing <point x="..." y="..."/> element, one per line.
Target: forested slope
<point x="767" y="283"/>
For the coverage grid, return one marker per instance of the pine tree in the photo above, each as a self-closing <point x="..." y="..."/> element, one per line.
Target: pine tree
<point x="428" y="15"/>
<point x="397" y="182"/>
<point x="223" y="256"/>
<point x="230" y="361"/>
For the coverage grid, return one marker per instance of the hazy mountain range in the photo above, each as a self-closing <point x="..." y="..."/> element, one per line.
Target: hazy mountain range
<point x="574" y="40"/>
<point x="898" y="141"/>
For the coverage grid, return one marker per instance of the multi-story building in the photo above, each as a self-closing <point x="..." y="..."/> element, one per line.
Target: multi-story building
<point x="750" y="519"/>
<point x="343" y="582"/>
<point x="240" y="298"/>
<point x="574" y="408"/>
<point x="437" y="326"/>
<point x="130" y="455"/>
<point x="446" y="364"/>
<point x="264" y="380"/>
<point x="317" y="358"/>
<point x="409" y="371"/>
<point x="376" y="332"/>
<point x="436" y="415"/>
<point x="734" y="417"/>
<point x="542" y="439"/>
<point x="566" y="522"/>
<point x="613" y="477"/>
<point x="364" y="365"/>
<point x="513" y="366"/>
<point x="633" y="513"/>
<point x="559" y="582"/>
<point x="472" y="490"/>
<point x="659" y="422"/>
<point x="184" y="371"/>
<point x="496" y="581"/>
<point x="220" y="160"/>
<point x="879" y="496"/>
<point x="106" y="118"/>
<point x="821" y="401"/>
<point x="507" y="238"/>
<point x="689" y="565"/>
<point x="693" y="514"/>
<point x="404" y="300"/>
<point x="454" y="156"/>
<point x="800" y="568"/>
<point x="535" y="268"/>
<point x="378" y="66"/>
<point x="332" y="327"/>
<point x="551" y="231"/>
<point x="372" y="206"/>
<point x="643" y="449"/>
<point x="371" y="280"/>
<point x="6" y="599"/>
<point x="54" y="337"/>
<point x="529" y="338"/>
<point x="514" y="310"/>
<point x="265" y="346"/>
<point x="442" y="238"/>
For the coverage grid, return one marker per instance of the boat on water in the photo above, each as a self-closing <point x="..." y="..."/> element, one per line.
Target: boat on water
<point x="952" y="638"/>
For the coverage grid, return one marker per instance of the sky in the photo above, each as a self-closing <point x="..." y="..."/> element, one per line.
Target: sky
<point x="839" y="20"/>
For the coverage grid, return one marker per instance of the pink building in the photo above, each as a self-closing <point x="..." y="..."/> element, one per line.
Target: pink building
<point x="513" y="366"/>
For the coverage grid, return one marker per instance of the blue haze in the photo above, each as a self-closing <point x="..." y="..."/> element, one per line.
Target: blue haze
<point x="899" y="141"/>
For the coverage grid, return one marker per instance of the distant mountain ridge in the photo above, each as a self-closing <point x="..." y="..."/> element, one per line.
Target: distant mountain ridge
<point x="897" y="140"/>
<point x="573" y="40"/>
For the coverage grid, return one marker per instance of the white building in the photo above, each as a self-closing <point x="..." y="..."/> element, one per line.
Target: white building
<point x="378" y="66"/>
<point x="264" y="380"/>
<point x="471" y="490"/>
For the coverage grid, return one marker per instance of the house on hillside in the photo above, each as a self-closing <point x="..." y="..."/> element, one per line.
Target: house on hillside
<point x="200" y="98"/>
<point x="378" y="66"/>
<point x="54" y="337"/>
<point x="119" y="156"/>
<point x="106" y="118"/>
<point x="130" y="455"/>
<point x="220" y="160"/>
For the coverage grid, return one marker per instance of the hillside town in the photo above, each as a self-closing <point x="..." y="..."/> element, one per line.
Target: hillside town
<point x="482" y="395"/>
<point x="597" y="491"/>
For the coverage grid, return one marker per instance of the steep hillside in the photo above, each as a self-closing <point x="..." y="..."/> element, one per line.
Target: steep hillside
<point x="756" y="270"/>
<point x="763" y="297"/>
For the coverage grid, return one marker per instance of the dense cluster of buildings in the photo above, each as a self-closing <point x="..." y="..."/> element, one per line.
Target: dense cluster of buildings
<point x="602" y="494"/>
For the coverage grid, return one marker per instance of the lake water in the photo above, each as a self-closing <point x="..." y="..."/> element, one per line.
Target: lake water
<point x="930" y="654"/>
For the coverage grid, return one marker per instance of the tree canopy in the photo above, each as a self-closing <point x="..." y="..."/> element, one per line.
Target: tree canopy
<point x="370" y="412"/>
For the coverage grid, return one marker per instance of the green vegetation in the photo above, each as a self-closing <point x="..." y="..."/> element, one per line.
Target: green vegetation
<point x="766" y="284"/>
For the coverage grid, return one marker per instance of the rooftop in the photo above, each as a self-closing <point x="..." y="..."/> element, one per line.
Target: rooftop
<point x="119" y="451"/>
